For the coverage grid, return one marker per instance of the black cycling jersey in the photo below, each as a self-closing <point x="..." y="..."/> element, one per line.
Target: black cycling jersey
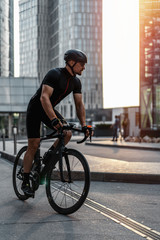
<point x="63" y="84"/>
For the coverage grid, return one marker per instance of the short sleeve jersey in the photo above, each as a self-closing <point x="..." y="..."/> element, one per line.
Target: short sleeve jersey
<point x="63" y="84"/>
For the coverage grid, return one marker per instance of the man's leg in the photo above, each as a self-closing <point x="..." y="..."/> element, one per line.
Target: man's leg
<point x="113" y="134"/>
<point x="33" y="144"/>
<point x="68" y="135"/>
<point x="116" y="134"/>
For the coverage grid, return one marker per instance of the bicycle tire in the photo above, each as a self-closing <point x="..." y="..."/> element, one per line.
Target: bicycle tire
<point x="17" y="175"/>
<point x="67" y="197"/>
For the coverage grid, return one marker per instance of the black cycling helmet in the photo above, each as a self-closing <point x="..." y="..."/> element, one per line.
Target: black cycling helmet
<point x="75" y="55"/>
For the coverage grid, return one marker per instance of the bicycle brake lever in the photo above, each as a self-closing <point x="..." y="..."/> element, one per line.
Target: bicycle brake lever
<point x="90" y="136"/>
<point x="83" y="140"/>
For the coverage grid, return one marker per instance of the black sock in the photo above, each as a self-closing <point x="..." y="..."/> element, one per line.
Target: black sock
<point x="26" y="178"/>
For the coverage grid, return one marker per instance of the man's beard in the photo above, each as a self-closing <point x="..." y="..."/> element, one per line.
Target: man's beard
<point x="79" y="73"/>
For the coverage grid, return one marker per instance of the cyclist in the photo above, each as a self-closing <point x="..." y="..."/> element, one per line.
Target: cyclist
<point x="56" y="85"/>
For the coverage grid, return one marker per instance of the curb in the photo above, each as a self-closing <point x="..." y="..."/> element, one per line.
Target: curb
<point x="123" y="146"/>
<point x="110" y="177"/>
<point x="126" y="177"/>
<point x="7" y="156"/>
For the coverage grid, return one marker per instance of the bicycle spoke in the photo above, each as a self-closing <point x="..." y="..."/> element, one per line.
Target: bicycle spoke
<point x="68" y="187"/>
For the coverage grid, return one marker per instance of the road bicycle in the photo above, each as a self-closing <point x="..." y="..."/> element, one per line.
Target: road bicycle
<point x="66" y="174"/>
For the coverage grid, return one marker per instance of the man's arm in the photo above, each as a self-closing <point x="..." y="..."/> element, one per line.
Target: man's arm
<point x="80" y="109"/>
<point x="45" y="101"/>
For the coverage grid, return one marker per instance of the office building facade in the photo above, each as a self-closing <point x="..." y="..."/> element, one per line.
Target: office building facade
<point x="33" y="19"/>
<point x="48" y="29"/>
<point x="150" y="67"/>
<point x="15" y="94"/>
<point x="6" y="38"/>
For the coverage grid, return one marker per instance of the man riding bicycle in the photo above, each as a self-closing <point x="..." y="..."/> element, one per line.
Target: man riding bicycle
<point x="56" y="85"/>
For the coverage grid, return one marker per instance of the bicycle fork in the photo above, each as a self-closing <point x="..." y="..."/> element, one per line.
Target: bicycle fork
<point x="61" y="167"/>
<point x="68" y="169"/>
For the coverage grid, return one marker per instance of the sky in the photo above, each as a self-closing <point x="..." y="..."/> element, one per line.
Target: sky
<point x="120" y="52"/>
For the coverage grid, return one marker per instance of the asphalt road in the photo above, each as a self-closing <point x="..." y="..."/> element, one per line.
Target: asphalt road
<point x="130" y="155"/>
<point x="35" y="219"/>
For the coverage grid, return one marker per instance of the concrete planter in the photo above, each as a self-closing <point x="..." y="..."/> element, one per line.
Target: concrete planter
<point x="103" y="132"/>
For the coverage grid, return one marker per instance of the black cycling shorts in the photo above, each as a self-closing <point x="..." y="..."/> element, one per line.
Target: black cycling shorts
<point x="34" y="118"/>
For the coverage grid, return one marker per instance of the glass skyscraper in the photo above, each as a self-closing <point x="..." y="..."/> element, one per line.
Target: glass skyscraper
<point x="150" y="67"/>
<point x="6" y="38"/>
<point x="34" y="39"/>
<point x="49" y="28"/>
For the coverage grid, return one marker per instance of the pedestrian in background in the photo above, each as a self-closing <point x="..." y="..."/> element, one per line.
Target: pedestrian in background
<point x="125" y="125"/>
<point x="115" y="128"/>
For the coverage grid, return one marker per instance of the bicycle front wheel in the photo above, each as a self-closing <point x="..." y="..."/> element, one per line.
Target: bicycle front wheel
<point x="17" y="176"/>
<point x="68" y="183"/>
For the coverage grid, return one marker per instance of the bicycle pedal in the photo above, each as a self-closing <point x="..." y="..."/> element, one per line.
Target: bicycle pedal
<point x="29" y="195"/>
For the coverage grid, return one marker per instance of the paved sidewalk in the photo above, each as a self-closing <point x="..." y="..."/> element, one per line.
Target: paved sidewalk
<point x="119" y="170"/>
<point x="107" y="142"/>
<point x="106" y="169"/>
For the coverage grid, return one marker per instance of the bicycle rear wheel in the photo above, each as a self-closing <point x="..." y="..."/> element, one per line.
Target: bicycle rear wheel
<point x="68" y="183"/>
<point x="17" y="176"/>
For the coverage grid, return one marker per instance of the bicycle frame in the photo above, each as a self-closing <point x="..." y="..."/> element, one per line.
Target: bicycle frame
<point x="59" y="148"/>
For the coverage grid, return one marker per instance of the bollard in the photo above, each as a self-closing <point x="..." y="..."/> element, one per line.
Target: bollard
<point x="15" y="139"/>
<point x="3" y="138"/>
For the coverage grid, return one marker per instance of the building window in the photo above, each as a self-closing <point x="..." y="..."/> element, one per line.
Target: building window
<point x="79" y="22"/>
